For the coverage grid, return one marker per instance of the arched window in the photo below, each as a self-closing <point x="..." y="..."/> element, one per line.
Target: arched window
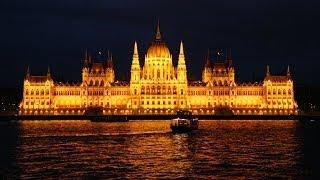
<point x="284" y="92"/>
<point x="158" y="74"/>
<point x="102" y="83"/>
<point x="289" y="91"/>
<point x="274" y="92"/>
<point x="142" y="90"/>
<point x="37" y="92"/>
<point x="148" y="90"/>
<point x="169" y="90"/>
<point x="91" y="83"/>
<point x="164" y="89"/>
<point x="42" y="92"/>
<point x="135" y="91"/>
<point x="174" y="90"/>
<point x="158" y="89"/>
<point x="279" y="92"/>
<point x="97" y="83"/>
<point x="27" y="92"/>
<point x="153" y="89"/>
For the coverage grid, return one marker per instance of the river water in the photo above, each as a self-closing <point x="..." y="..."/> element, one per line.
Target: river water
<point x="147" y="149"/>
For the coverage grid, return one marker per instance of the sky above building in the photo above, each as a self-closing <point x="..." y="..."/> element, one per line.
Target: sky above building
<point x="56" y="33"/>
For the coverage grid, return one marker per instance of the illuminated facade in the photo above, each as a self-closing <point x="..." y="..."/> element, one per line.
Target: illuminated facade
<point x="158" y="88"/>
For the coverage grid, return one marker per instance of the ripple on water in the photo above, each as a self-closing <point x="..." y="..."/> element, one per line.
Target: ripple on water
<point x="147" y="149"/>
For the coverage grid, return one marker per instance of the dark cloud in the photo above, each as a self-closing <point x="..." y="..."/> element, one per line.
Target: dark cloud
<point x="41" y="33"/>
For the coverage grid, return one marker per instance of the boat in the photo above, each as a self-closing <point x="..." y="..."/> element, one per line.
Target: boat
<point x="185" y="122"/>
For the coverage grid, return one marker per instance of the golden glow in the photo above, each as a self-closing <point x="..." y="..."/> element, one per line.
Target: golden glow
<point x="158" y="88"/>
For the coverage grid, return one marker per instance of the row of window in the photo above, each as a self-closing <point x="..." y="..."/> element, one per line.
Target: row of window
<point x="95" y="93"/>
<point x="159" y="102"/>
<point x="67" y="93"/>
<point x="96" y="83"/>
<point x="41" y="103"/>
<point x="197" y="92"/>
<point x="279" y="103"/>
<point x="37" y="92"/>
<point x="280" y="92"/>
<point x="119" y="92"/>
<point x="250" y="93"/>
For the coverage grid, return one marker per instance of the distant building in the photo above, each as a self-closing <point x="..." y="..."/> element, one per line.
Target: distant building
<point x="158" y="88"/>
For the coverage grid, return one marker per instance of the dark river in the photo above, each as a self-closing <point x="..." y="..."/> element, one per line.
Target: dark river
<point x="147" y="149"/>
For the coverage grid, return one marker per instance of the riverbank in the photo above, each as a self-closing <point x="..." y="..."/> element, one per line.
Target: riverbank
<point x="155" y="117"/>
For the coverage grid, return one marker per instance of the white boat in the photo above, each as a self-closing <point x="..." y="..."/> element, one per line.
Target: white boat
<point x="185" y="122"/>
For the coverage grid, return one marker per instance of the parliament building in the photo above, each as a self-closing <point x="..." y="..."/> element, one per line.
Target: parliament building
<point x="158" y="87"/>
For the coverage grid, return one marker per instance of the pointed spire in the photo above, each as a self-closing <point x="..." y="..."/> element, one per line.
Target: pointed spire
<point x="207" y="59"/>
<point x="86" y="55"/>
<point x="181" y="48"/>
<point x="110" y="63"/>
<point x="268" y="70"/>
<point x="48" y="72"/>
<point x="135" y="56"/>
<point x="108" y="55"/>
<point x="228" y="57"/>
<point x="86" y="58"/>
<point x="135" y="48"/>
<point x="181" y="60"/>
<point x="158" y="34"/>
<point x="288" y="71"/>
<point x="28" y="72"/>
<point x="89" y="58"/>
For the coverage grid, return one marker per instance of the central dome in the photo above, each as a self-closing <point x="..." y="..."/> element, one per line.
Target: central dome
<point x="158" y="48"/>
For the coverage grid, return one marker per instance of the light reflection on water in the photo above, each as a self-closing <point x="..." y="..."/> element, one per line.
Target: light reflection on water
<point x="148" y="149"/>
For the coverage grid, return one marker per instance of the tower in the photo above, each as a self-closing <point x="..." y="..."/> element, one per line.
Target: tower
<point x="288" y="71"/>
<point x="182" y="70"/>
<point x="135" y="78"/>
<point x="135" y="66"/>
<point x="48" y="73"/>
<point x="182" y="79"/>
<point x="229" y="66"/>
<point x="207" y="71"/>
<point x="109" y="69"/>
<point x="85" y="68"/>
<point x="229" y="58"/>
<point x="28" y="73"/>
<point x="268" y="71"/>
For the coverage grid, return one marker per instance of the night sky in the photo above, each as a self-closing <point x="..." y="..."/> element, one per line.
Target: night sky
<point x="39" y="33"/>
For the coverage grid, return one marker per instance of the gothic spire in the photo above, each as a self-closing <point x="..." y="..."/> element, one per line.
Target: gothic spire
<point x="89" y="58"/>
<point x="135" y="56"/>
<point x="110" y="63"/>
<point x="48" y="72"/>
<point x="28" y="72"/>
<point x="288" y="71"/>
<point x="207" y="60"/>
<point x="181" y="48"/>
<point x="135" y="48"/>
<point x="86" y="58"/>
<point x="228" y="57"/>
<point x="158" y="34"/>
<point x="181" y="60"/>
<point x="268" y="70"/>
